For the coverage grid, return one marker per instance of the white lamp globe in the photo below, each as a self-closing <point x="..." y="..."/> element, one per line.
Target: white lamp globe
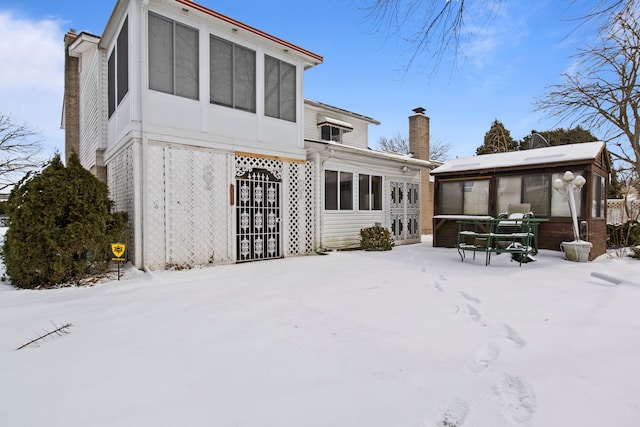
<point x="579" y="181"/>
<point x="558" y="184"/>
<point x="568" y="176"/>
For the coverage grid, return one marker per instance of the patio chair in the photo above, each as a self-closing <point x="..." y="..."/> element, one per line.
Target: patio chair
<point x="517" y="211"/>
<point x="509" y="223"/>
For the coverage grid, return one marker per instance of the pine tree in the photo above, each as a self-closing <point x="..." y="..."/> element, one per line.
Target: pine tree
<point x="497" y="140"/>
<point x="60" y="226"/>
<point x="560" y="136"/>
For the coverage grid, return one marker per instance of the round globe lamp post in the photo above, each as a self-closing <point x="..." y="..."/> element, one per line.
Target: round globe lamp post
<point x="576" y="250"/>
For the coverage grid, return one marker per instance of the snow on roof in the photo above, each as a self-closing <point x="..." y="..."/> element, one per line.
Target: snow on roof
<point x="537" y="156"/>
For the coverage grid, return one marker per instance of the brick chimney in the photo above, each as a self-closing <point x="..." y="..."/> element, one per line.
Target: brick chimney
<point x="419" y="146"/>
<point x="419" y="134"/>
<point x="71" y="117"/>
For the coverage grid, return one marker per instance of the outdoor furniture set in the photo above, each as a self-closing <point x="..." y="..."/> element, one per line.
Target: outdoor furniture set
<point x="513" y="232"/>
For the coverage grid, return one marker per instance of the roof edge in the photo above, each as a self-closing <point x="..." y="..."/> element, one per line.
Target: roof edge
<point x="340" y="111"/>
<point x="314" y="56"/>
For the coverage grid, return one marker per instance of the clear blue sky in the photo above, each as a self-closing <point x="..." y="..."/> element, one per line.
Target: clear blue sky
<point x="507" y="64"/>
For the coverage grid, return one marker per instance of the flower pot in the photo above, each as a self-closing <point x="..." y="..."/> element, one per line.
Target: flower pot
<point x="577" y="250"/>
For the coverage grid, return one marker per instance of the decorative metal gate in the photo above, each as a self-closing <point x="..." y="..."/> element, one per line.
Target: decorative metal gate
<point x="404" y="213"/>
<point x="258" y="215"/>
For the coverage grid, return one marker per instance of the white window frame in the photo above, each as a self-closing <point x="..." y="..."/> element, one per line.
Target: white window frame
<point x="343" y="191"/>
<point x="179" y="63"/>
<point x="238" y="83"/>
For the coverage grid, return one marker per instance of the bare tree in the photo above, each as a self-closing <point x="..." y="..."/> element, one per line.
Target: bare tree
<point x="602" y="92"/>
<point x="439" y="151"/>
<point x="435" y="27"/>
<point x="398" y="143"/>
<point x="438" y="30"/>
<point x="19" y="148"/>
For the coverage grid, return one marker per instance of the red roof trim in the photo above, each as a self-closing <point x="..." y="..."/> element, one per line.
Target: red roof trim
<point x="249" y="28"/>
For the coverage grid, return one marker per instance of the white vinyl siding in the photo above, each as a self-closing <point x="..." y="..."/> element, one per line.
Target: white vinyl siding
<point x="358" y="137"/>
<point x="90" y="107"/>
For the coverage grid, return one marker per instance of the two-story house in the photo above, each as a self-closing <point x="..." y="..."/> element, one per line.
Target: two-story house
<point x="198" y="124"/>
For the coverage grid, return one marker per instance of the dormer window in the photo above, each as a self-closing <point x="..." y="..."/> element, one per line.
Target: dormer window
<point x="333" y="129"/>
<point x="331" y="133"/>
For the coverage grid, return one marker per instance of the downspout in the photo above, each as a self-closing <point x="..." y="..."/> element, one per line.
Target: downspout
<point x="320" y="220"/>
<point x="141" y="191"/>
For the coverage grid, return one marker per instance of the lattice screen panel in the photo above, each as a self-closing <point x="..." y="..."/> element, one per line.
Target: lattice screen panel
<point x="244" y="164"/>
<point x="190" y="207"/>
<point x="309" y="207"/>
<point x="221" y="211"/>
<point x="294" y="220"/>
<point x="155" y="205"/>
<point x="120" y="184"/>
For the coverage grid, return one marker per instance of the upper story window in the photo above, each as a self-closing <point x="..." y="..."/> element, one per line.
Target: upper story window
<point x="330" y="133"/>
<point x="279" y="89"/>
<point x="232" y="75"/>
<point x="173" y="57"/>
<point x="118" y="69"/>
<point x="333" y="129"/>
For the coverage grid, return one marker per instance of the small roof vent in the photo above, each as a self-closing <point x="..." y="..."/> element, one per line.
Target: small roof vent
<point x="419" y="110"/>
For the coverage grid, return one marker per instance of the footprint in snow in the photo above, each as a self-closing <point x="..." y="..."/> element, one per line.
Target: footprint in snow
<point x="471" y="312"/>
<point x="470" y="297"/>
<point x="509" y="333"/>
<point x="516" y="397"/>
<point x="437" y="286"/>
<point x="483" y="358"/>
<point x="454" y="415"/>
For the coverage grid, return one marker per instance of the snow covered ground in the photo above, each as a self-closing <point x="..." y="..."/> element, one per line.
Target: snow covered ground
<point x="410" y="337"/>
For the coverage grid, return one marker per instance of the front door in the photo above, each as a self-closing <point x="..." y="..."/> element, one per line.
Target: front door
<point x="404" y="212"/>
<point x="258" y="216"/>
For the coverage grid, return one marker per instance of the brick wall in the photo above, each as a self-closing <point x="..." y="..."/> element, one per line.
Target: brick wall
<point x="71" y="119"/>
<point x="419" y="146"/>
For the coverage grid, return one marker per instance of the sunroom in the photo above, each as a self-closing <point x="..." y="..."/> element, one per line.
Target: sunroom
<point x="487" y="185"/>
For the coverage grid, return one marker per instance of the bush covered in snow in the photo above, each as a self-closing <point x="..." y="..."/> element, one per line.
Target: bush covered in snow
<point x="623" y="235"/>
<point x="375" y="239"/>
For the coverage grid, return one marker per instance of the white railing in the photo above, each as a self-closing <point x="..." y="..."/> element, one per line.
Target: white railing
<point x="617" y="214"/>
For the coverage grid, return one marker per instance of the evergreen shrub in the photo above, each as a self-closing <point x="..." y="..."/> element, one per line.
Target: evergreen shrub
<point x="623" y="235"/>
<point x="375" y="239"/>
<point x="60" y="227"/>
